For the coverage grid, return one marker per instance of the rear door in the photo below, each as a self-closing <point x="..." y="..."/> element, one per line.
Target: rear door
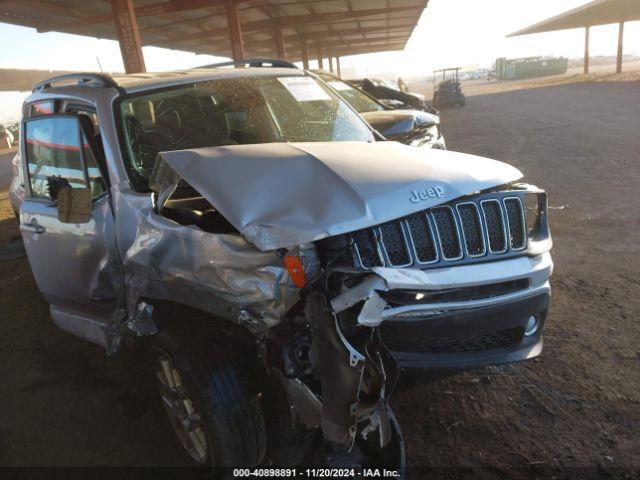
<point x="74" y="265"/>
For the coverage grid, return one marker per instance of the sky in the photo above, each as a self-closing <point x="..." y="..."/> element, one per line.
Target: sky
<point x="466" y="33"/>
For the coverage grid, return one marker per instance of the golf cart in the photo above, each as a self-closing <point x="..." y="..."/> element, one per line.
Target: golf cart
<point x="447" y="90"/>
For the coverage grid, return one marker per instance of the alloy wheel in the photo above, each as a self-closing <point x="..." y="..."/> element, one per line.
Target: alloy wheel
<point x="181" y="409"/>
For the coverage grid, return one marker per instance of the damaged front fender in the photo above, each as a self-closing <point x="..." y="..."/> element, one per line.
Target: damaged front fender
<point x="219" y="273"/>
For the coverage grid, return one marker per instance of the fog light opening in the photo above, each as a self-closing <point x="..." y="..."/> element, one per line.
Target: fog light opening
<point x="532" y="326"/>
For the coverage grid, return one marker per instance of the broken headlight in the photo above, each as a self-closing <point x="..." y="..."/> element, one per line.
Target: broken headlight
<point x="534" y="208"/>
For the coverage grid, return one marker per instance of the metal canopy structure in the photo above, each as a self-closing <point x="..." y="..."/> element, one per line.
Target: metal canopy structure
<point x="290" y="29"/>
<point x="598" y="12"/>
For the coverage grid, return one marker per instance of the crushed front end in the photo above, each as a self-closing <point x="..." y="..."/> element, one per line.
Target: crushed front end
<point x="460" y="285"/>
<point x="441" y="265"/>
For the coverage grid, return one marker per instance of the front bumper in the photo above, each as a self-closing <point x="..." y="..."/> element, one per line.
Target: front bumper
<point x="454" y="333"/>
<point x="460" y="340"/>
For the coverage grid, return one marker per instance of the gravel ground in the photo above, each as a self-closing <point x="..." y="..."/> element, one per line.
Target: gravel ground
<point x="65" y="403"/>
<point x="577" y="406"/>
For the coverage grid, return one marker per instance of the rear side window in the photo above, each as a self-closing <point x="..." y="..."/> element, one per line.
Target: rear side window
<point x="53" y="150"/>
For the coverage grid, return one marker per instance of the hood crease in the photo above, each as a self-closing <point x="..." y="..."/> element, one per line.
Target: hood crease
<point x="280" y="195"/>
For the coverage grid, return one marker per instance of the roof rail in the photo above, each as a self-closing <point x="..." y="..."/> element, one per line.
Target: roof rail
<point x="97" y="79"/>
<point x="253" y="62"/>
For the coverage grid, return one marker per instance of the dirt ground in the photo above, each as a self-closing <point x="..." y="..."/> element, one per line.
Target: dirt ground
<point x="573" y="411"/>
<point x="598" y="73"/>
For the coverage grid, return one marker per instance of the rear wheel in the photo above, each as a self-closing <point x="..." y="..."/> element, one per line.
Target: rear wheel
<point x="210" y="400"/>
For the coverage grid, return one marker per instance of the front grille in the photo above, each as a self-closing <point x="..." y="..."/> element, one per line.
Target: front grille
<point x="366" y="247"/>
<point x="500" y="340"/>
<point x="423" y="241"/>
<point x="447" y="230"/>
<point x="395" y="244"/>
<point x="494" y="219"/>
<point x="472" y="229"/>
<point x="515" y="216"/>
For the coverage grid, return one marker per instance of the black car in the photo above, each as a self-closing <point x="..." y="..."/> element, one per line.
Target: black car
<point x="412" y="127"/>
<point x="389" y="94"/>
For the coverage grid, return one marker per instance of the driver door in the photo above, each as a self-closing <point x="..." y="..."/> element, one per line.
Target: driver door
<point x="74" y="265"/>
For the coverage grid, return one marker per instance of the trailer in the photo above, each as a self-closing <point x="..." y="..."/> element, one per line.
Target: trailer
<point x="529" y="67"/>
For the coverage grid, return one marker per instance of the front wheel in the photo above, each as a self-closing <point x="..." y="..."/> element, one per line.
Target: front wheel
<point x="212" y="406"/>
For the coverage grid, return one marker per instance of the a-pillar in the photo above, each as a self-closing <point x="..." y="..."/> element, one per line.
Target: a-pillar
<point x="124" y="16"/>
<point x="330" y="60"/>
<point x="338" y="67"/>
<point x="619" y="57"/>
<point x="320" y="65"/>
<point x="235" y="31"/>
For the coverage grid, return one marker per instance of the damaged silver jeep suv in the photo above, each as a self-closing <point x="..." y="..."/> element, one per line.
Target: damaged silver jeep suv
<point x="279" y="263"/>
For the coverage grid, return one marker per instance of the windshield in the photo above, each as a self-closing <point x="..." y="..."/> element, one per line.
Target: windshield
<point x="232" y="112"/>
<point x="359" y="100"/>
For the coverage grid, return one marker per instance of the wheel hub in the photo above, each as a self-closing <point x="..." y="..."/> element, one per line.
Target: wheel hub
<point x="183" y="414"/>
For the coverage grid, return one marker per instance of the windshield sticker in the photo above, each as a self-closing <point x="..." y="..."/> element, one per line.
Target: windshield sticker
<point x="304" y="89"/>
<point x="341" y="86"/>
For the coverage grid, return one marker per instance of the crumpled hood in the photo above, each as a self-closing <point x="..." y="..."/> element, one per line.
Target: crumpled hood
<point x="394" y="122"/>
<point x="284" y="194"/>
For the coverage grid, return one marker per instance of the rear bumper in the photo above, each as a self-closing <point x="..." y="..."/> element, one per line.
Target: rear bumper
<point x="461" y="340"/>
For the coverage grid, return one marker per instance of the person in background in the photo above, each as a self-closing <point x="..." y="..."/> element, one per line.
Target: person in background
<point x="401" y="85"/>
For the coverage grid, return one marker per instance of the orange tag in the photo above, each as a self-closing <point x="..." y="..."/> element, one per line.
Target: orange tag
<point x="296" y="270"/>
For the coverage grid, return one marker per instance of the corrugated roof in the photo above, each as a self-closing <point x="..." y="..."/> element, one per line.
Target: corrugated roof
<point x="598" y="12"/>
<point x="340" y="27"/>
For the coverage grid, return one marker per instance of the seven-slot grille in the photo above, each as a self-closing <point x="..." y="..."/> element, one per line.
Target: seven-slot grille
<point x="467" y="229"/>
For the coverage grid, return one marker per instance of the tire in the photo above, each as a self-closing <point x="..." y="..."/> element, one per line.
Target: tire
<point x="212" y="404"/>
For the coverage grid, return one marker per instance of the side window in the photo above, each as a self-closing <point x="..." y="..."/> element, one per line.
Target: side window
<point x="53" y="150"/>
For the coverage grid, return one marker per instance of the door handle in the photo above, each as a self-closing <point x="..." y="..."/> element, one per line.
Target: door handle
<point x="34" y="227"/>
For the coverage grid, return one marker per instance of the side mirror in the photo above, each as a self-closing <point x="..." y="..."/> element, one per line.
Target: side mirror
<point x="74" y="205"/>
